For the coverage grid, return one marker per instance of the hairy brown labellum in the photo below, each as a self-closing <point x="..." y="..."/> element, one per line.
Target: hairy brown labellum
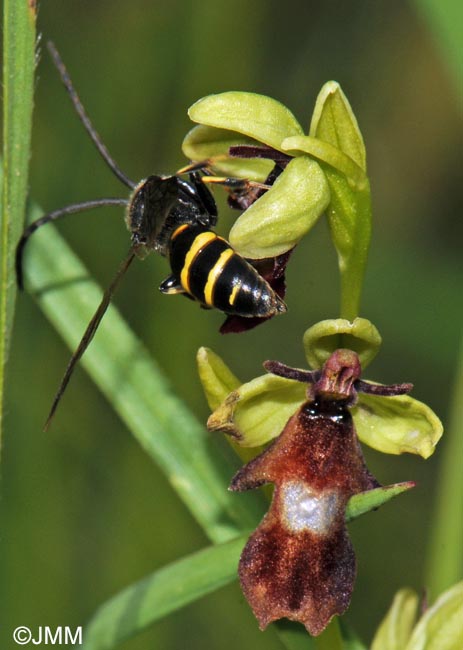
<point x="299" y="563"/>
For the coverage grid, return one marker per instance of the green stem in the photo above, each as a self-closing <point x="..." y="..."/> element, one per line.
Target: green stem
<point x="353" y="269"/>
<point x="18" y="85"/>
<point x="445" y="559"/>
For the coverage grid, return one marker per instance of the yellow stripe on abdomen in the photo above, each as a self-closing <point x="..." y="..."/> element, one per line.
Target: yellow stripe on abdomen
<point x="234" y="293"/>
<point x="214" y="273"/>
<point x="178" y="230"/>
<point x="198" y="244"/>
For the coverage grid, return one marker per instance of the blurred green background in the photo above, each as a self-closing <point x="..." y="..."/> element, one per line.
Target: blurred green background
<point x="84" y="510"/>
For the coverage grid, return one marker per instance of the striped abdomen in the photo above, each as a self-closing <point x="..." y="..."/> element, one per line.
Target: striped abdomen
<point x="209" y="270"/>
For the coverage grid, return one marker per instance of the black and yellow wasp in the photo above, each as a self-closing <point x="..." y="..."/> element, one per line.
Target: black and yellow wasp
<point x="174" y="217"/>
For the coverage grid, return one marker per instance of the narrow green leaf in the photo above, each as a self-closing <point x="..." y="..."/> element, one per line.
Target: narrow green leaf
<point x="362" y="503"/>
<point x="396" y="628"/>
<point x="18" y="86"/>
<point x="135" y="387"/>
<point x="256" y="116"/>
<point x="204" y="142"/>
<point x="161" y="593"/>
<point x="279" y="219"/>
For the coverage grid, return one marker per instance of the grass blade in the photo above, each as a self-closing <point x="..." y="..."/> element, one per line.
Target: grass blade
<point x="161" y="593"/>
<point x="137" y="390"/>
<point x="18" y="85"/>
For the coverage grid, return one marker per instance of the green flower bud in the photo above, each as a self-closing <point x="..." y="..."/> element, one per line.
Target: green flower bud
<point x="439" y="628"/>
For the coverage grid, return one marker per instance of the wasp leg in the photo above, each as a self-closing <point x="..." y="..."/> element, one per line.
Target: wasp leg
<point x="200" y="165"/>
<point x="235" y="184"/>
<point x="171" y="286"/>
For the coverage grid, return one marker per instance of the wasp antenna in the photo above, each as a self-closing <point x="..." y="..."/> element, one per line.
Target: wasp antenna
<point x="89" y="334"/>
<point x="53" y="216"/>
<point x="66" y="79"/>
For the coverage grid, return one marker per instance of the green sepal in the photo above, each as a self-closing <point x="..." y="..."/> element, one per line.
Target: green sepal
<point x="258" y="411"/>
<point x="328" y="153"/>
<point x="326" y="336"/>
<point x="204" y="142"/>
<point x="217" y="379"/>
<point x="396" y="627"/>
<point x="395" y="425"/>
<point x="349" y="212"/>
<point x="362" y="503"/>
<point x="333" y="121"/>
<point x="440" y="627"/>
<point x="256" y="116"/>
<point x="279" y="219"/>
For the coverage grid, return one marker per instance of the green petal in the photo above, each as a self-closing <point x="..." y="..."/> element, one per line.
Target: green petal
<point x="256" y="116"/>
<point x="217" y="379"/>
<point x="396" y="627"/>
<point x="334" y="121"/>
<point x="204" y="142"/>
<point x="395" y="425"/>
<point x="277" y="221"/>
<point x="441" y="628"/>
<point x="258" y="411"/>
<point x="323" y="338"/>
<point x="330" y="154"/>
<point x="362" y="503"/>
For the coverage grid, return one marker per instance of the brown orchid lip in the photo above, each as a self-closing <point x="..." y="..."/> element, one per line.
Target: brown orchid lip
<point x="299" y="563"/>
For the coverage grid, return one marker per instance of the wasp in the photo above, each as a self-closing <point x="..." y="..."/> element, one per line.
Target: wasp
<point x="174" y="217"/>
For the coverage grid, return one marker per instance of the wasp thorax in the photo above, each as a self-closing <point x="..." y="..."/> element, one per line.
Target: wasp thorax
<point x="148" y="211"/>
